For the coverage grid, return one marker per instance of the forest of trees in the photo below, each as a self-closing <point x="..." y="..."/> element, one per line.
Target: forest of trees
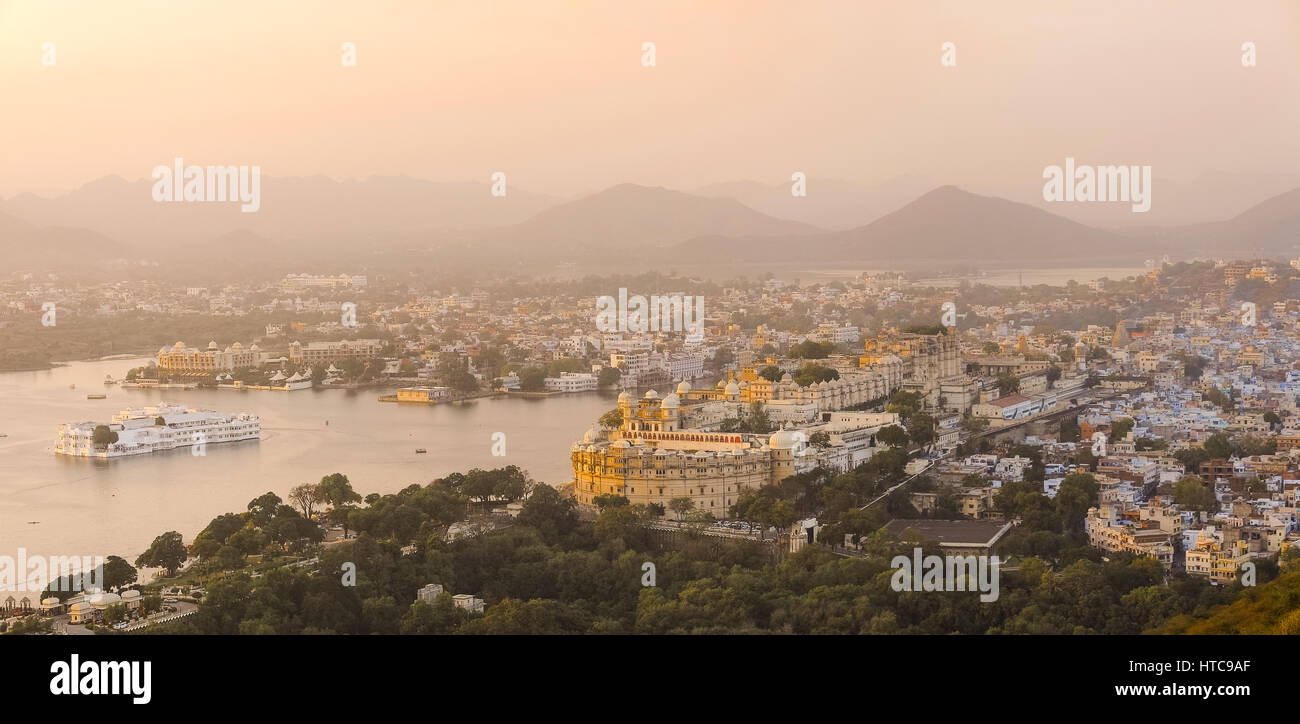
<point x="552" y="571"/>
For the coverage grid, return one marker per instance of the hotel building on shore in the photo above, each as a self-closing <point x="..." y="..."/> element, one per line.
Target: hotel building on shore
<point x="314" y="353"/>
<point x="673" y="447"/>
<point x="193" y="360"/>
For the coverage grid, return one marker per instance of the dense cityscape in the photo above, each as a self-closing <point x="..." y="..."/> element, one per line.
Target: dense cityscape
<point x="1146" y="423"/>
<point x="970" y="328"/>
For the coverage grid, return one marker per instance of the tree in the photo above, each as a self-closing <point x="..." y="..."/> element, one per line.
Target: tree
<point x="167" y="551"/>
<point x="921" y="429"/>
<point x="263" y="507"/>
<point x="532" y="379"/>
<point x="893" y="436"/>
<point x="813" y="373"/>
<point x="609" y="376"/>
<point x="1120" y="428"/>
<point x="809" y="349"/>
<point x="1008" y="384"/>
<point x="118" y="573"/>
<point x="771" y="372"/>
<point x="1077" y="493"/>
<point x="756" y="420"/>
<point x="336" y="491"/>
<point x="1218" y="397"/>
<point x="1053" y="374"/>
<point x="820" y="439"/>
<point x="1192" y="493"/>
<point x="1218" y="446"/>
<point x="103" y="437"/>
<point x="609" y="500"/>
<point x="681" y="505"/>
<point x="304" y="496"/>
<point x="115" y="613"/>
<point x="991" y="348"/>
<point x="612" y="420"/>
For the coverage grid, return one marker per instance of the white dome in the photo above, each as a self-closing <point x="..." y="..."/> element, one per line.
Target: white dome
<point x="622" y="396"/>
<point x="212" y="345"/>
<point x="651" y="395"/>
<point x="732" y="388"/>
<point x="593" y="434"/>
<point x="783" y="439"/>
<point x="103" y="600"/>
<point x="787" y="377"/>
<point x="670" y="402"/>
<point x="684" y="387"/>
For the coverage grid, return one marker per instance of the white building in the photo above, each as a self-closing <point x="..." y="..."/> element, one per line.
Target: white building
<point x="571" y="382"/>
<point x="159" y="427"/>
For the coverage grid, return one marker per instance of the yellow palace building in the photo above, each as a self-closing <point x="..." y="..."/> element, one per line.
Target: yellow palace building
<point x="664" y="449"/>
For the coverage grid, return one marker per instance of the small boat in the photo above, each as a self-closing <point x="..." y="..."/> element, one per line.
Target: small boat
<point x="95" y="397"/>
<point x="420" y="450"/>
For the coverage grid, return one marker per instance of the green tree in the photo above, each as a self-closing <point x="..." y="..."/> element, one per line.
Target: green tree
<point x="102" y="437"/>
<point x="1192" y="493"/>
<point x="893" y="436"/>
<point x="609" y="376"/>
<point x="612" y="420"/>
<point x="335" y="490"/>
<point x="118" y="573"/>
<point x="1218" y="446"/>
<point x="167" y="551"/>
<point x="681" y="505"/>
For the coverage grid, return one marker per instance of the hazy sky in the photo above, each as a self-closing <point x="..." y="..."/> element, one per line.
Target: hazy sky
<point x="554" y="93"/>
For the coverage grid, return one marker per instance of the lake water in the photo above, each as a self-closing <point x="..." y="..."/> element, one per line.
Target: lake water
<point x="117" y="506"/>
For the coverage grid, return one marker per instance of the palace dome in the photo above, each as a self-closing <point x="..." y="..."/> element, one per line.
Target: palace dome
<point x="684" y="387"/>
<point x="783" y="439"/>
<point x="670" y="402"/>
<point x="651" y="395"/>
<point x="732" y="388"/>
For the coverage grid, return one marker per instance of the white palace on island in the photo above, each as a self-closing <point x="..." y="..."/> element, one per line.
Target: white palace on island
<point x="158" y="427"/>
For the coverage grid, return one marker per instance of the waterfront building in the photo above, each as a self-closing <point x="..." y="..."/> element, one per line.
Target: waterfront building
<point x="572" y="382"/>
<point x="193" y="360"/>
<point x="314" y="353"/>
<point x="158" y="427"/>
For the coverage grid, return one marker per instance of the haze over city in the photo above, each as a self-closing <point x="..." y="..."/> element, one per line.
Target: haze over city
<point x="959" y="325"/>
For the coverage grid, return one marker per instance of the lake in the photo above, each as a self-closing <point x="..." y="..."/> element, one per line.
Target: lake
<point x="118" y="506"/>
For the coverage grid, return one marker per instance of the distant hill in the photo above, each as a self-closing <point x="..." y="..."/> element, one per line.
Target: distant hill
<point x="30" y="248"/>
<point x="633" y="217"/>
<point x="947" y="225"/>
<point x="1271" y="227"/>
<point x="312" y="207"/>
<point x="830" y="203"/>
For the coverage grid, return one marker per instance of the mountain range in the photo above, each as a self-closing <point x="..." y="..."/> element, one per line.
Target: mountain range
<point x="319" y="219"/>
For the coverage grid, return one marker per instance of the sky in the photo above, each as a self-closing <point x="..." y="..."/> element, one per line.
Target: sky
<point x="555" y="94"/>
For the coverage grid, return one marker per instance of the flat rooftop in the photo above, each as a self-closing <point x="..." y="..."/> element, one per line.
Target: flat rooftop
<point x="952" y="532"/>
